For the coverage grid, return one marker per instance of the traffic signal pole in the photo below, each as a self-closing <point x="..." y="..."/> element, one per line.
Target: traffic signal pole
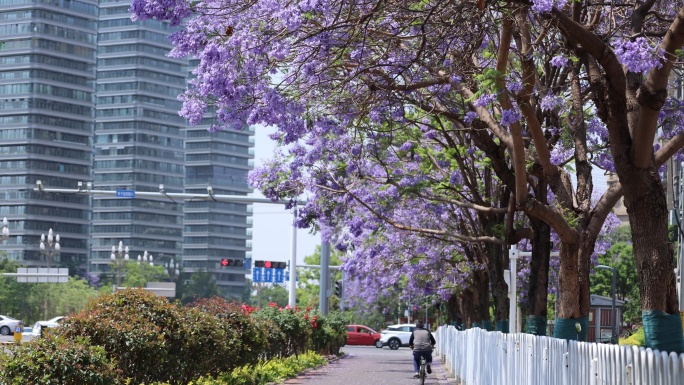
<point x="293" y="261"/>
<point x="324" y="278"/>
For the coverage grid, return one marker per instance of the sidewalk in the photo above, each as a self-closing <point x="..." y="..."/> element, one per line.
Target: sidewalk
<point x="369" y="367"/>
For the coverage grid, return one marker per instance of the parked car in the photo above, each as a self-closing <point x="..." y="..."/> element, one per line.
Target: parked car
<point x="8" y="324"/>
<point x="362" y="335"/>
<point x="51" y="323"/>
<point x="396" y="336"/>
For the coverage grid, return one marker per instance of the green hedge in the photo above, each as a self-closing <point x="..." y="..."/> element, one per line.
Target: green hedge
<point x="57" y="360"/>
<point x="135" y="337"/>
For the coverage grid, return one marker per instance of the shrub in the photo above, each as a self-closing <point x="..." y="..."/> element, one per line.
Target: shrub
<point x="56" y="360"/>
<point x="234" y="318"/>
<point x="154" y="340"/>
<point x="637" y="339"/>
<point x="276" y="370"/>
<point x="295" y="330"/>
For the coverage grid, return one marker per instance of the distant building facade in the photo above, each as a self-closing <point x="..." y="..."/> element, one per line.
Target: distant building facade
<point x="89" y="95"/>
<point x="47" y="76"/>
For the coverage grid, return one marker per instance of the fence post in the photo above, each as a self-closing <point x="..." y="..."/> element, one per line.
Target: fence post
<point x="628" y="374"/>
<point x="593" y="372"/>
<point x="566" y="369"/>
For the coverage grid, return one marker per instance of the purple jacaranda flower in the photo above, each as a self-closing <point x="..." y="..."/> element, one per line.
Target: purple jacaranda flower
<point x="470" y="116"/>
<point x="484" y="100"/>
<point x="559" y="61"/>
<point x="638" y="55"/>
<point x="509" y="117"/>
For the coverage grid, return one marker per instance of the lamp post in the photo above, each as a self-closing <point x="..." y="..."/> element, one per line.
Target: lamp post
<point x="145" y="258"/>
<point x="173" y="270"/>
<point x="613" y="313"/>
<point x="49" y="246"/>
<point x="5" y="229"/>
<point x="119" y="258"/>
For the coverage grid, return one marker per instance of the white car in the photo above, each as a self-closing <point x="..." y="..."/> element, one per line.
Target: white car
<point x="395" y="336"/>
<point x="8" y="325"/>
<point x="51" y="323"/>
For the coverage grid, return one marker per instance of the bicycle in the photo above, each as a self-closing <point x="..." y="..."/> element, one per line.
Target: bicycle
<point x="423" y="370"/>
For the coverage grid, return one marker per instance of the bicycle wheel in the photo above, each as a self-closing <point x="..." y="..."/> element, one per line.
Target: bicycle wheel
<point x="423" y="372"/>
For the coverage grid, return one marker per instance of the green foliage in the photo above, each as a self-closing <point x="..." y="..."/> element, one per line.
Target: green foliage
<point x="57" y="360"/>
<point x="636" y="339"/>
<point x="139" y="274"/>
<point x="621" y="257"/>
<point x="202" y="285"/>
<point x="295" y="330"/>
<point x="154" y="340"/>
<point x="32" y="302"/>
<point x="264" y="294"/>
<point x="309" y="288"/>
<point x="274" y="371"/>
<point x="331" y="333"/>
<point x="251" y="340"/>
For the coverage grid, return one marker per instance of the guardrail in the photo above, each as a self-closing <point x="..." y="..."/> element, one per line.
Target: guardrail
<point x="479" y="357"/>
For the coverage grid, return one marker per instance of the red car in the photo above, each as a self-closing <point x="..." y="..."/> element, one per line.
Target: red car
<point x="363" y="335"/>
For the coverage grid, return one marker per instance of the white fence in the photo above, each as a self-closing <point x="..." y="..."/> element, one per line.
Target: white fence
<point x="479" y="357"/>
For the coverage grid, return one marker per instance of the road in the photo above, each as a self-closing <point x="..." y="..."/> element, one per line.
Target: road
<point x="368" y="365"/>
<point x="10" y="338"/>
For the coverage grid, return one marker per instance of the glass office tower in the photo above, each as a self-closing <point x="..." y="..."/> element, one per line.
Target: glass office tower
<point x="47" y="61"/>
<point x="138" y="138"/>
<point x="218" y="230"/>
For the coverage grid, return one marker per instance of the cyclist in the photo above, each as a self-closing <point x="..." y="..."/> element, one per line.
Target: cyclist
<point x="421" y="342"/>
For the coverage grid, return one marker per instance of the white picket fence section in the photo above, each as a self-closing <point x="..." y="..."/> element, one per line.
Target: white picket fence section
<point x="479" y="357"/>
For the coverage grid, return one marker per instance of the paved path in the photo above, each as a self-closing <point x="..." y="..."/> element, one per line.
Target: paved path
<point x="368" y="365"/>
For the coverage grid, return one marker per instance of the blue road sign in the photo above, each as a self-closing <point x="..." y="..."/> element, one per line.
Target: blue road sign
<point x="287" y="276"/>
<point x="279" y="275"/>
<point x="257" y="274"/>
<point x="125" y="193"/>
<point x="268" y="275"/>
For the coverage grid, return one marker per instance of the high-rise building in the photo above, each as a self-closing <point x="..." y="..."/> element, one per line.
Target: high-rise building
<point x="47" y="71"/>
<point x="218" y="230"/>
<point x="138" y="137"/>
<point x="89" y="95"/>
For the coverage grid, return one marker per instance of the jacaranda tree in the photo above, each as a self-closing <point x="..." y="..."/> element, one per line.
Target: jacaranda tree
<point x="542" y="89"/>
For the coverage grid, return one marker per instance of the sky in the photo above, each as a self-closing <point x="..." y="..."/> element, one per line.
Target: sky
<point x="272" y="223"/>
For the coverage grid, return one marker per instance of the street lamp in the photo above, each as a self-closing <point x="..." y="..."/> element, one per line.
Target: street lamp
<point x="49" y="246"/>
<point x="172" y="269"/>
<point x="5" y="229"/>
<point x="119" y="258"/>
<point x="613" y="313"/>
<point x="145" y="258"/>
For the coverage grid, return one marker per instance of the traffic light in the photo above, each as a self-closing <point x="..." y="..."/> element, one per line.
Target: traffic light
<point x="225" y="262"/>
<point x="338" y="288"/>
<point x="270" y="264"/>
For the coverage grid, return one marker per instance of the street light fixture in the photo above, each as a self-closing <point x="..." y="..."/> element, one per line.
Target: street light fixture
<point x="119" y="258"/>
<point x="613" y="312"/>
<point x="145" y="258"/>
<point x="5" y="229"/>
<point x="49" y="246"/>
<point x="172" y="270"/>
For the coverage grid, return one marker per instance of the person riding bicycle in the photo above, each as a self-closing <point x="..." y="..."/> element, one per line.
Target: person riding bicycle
<point x="422" y="342"/>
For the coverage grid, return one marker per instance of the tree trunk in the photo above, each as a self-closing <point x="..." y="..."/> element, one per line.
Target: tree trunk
<point x="537" y="294"/>
<point x="453" y="310"/>
<point x="497" y="260"/>
<point x="482" y="302"/>
<point x="468" y="309"/>
<point x="647" y="208"/>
